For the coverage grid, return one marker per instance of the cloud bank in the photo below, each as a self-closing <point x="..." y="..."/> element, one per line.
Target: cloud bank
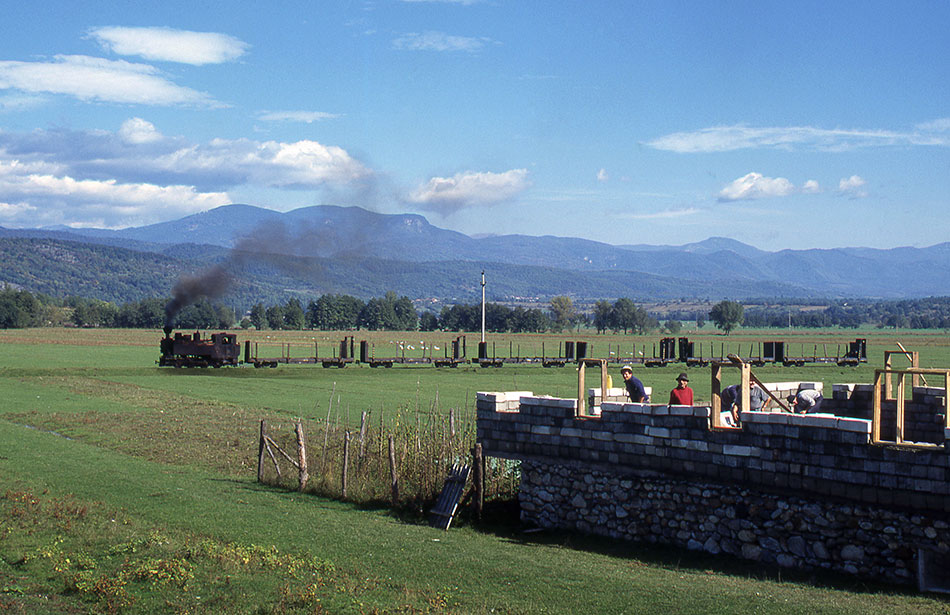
<point x="470" y="189"/>
<point x="756" y="186"/>
<point x="96" y="79"/>
<point x="852" y="187"/>
<point x="138" y="175"/>
<point x="440" y="41"/>
<point x="169" y="45"/>
<point x="306" y="117"/>
<point x="740" y="136"/>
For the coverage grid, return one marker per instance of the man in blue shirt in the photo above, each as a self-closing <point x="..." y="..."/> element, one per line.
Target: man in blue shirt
<point x="635" y="390"/>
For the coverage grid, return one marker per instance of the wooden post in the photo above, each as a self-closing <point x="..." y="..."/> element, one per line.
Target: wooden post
<point x="899" y="433"/>
<point x="346" y="462"/>
<point x="887" y="375"/>
<point x="394" y="480"/>
<point x="362" y="434"/>
<point x="260" y="452"/>
<point x="745" y="376"/>
<point x="715" y="390"/>
<point x="581" y="397"/>
<point x="478" y="462"/>
<point x="302" y="456"/>
<point x="946" y="399"/>
<point x="876" y="407"/>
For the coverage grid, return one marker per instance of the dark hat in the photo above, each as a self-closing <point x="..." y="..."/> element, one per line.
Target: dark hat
<point x="790" y="398"/>
<point x="683" y="376"/>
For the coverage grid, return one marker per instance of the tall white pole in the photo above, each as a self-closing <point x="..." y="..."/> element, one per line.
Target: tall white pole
<point x="483" y="306"/>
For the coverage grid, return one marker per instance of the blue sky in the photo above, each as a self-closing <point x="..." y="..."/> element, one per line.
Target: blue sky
<point x="782" y="125"/>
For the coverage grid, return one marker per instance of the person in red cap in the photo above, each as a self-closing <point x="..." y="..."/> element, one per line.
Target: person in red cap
<point x="682" y="395"/>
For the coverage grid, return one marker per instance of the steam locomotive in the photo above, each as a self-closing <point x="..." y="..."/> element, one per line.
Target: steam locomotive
<point x="185" y="350"/>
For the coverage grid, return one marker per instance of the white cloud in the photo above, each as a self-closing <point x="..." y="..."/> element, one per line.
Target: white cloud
<point x="136" y="130"/>
<point x="602" y="175"/>
<point x="756" y="186"/>
<point x="740" y="136"/>
<point x="169" y="45"/>
<point x="939" y="125"/>
<point x="33" y="199"/>
<point x="811" y="187"/>
<point x="137" y="175"/>
<point x="88" y="78"/>
<point x="19" y="102"/>
<point x="470" y="189"/>
<point x="662" y="215"/>
<point x="440" y="41"/>
<point x="138" y="152"/>
<point x="307" y="117"/>
<point x="852" y="187"/>
<point x="301" y="164"/>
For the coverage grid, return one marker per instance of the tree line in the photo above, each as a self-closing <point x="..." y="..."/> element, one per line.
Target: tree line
<point x="20" y="308"/>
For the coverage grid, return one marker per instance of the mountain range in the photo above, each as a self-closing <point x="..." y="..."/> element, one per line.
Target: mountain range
<point x="311" y="251"/>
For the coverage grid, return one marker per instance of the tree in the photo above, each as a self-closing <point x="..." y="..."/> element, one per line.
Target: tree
<point x="199" y="315"/>
<point x="700" y="321"/>
<point x="563" y="312"/>
<point x="225" y="316"/>
<point x="258" y="316"/>
<point x="334" y="312"/>
<point x="673" y="326"/>
<point x="18" y="308"/>
<point x="294" y="318"/>
<point x="497" y="318"/>
<point x="275" y="317"/>
<point x="602" y="316"/>
<point x="428" y="322"/>
<point x="627" y="315"/>
<point x="94" y="313"/>
<point x="461" y="318"/>
<point x="727" y="315"/>
<point x="404" y="311"/>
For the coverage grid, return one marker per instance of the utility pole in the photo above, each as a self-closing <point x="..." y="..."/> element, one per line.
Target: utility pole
<point x="483" y="307"/>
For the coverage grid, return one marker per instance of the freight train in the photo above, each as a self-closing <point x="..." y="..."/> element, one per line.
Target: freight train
<point x="185" y="350"/>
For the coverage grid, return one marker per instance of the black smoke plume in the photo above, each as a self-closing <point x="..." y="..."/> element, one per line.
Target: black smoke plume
<point x="211" y="283"/>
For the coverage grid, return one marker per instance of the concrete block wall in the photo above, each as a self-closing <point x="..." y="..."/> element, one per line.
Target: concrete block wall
<point x="803" y="461"/>
<point x="924" y="417"/>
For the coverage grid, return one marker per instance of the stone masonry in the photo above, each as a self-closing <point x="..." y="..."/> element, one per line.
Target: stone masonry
<point x="805" y="491"/>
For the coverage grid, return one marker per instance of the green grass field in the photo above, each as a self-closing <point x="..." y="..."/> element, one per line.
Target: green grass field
<point x="129" y="488"/>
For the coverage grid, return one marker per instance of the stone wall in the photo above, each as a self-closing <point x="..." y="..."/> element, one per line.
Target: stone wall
<point x="795" y="490"/>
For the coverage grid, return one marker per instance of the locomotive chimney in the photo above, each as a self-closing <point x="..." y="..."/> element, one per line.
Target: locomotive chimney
<point x="168" y="331"/>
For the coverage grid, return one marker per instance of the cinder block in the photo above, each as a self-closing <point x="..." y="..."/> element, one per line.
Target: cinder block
<point x="638" y="408"/>
<point x="681" y="410"/>
<point x="657" y="432"/>
<point x="778" y="418"/>
<point x="754" y="417"/>
<point x="737" y="450"/>
<point x="855" y="425"/>
<point x="828" y="421"/>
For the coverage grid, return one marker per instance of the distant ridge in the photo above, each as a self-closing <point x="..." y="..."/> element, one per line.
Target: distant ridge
<point x="715" y="267"/>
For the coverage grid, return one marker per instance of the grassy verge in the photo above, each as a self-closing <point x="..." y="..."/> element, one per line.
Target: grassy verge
<point x="143" y="479"/>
